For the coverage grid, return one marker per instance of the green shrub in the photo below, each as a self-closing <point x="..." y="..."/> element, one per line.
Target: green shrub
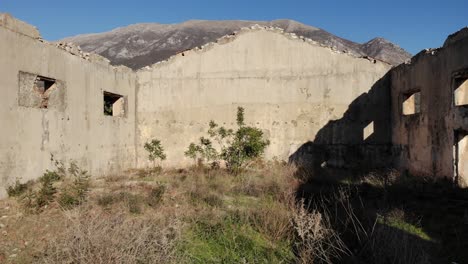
<point x="155" y="150"/>
<point x="51" y="176"/>
<point x="17" y="188"/>
<point x="75" y="193"/>
<point x="34" y="201"/>
<point x="237" y="148"/>
<point x="70" y="195"/>
<point x="204" y="151"/>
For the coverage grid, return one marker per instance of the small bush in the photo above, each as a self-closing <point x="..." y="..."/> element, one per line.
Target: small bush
<point x="51" y="176"/>
<point x="317" y="241"/>
<point x="155" y="150"/>
<point x="75" y="193"/>
<point x="17" y="189"/>
<point x="34" y="201"/>
<point x="46" y="193"/>
<point x="70" y="195"/>
<point x="204" y="151"/>
<point x="237" y="148"/>
<point x="155" y="196"/>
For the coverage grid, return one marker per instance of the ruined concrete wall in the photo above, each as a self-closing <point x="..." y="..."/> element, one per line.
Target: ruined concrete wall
<point x="65" y="118"/>
<point x="427" y="137"/>
<point x="290" y="87"/>
<point x="18" y="26"/>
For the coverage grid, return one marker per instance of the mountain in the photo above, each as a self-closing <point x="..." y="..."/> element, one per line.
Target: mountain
<point x="141" y="45"/>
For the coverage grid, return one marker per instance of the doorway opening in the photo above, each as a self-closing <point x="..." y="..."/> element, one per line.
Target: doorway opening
<point x="460" y="158"/>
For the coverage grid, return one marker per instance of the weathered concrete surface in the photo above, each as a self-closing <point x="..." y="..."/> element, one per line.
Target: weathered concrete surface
<point x="429" y="138"/>
<point x="73" y="126"/>
<point x="289" y="86"/>
<point x="15" y="25"/>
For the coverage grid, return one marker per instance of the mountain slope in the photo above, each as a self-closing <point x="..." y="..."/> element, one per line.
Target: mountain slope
<point x="140" y="45"/>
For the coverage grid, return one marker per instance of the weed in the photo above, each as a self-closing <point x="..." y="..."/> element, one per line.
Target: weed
<point x="213" y="200"/>
<point x="155" y="195"/>
<point x="75" y="193"/>
<point x="51" y="176"/>
<point x="232" y="241"/>
<point x="92" y="237"/>
<point x="108" y="199"/>
<point x="34" y="201"/>
<point x="17" y="188"/>
<point x="317" y="241"/>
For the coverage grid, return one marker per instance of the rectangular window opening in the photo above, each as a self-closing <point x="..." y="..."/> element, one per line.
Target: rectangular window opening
<point x="460" y="91"/>
<point x="43" y="84"/>
<point x="368" y="131"/>
<point x="114" y="104"/>
<point x="412" y="103"/>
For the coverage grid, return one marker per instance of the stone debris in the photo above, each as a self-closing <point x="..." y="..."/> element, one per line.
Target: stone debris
<point x="91" y="57"/>
<point x="74" y="50"/>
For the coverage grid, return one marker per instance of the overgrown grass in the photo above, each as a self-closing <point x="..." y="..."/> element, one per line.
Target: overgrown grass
<point x="207" y="215"/>
<point x="404" y="226"/>
<point x="232" y="240"/>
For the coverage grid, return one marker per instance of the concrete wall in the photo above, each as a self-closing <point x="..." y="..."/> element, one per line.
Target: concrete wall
<point x="73" y="126"/>
<point x="290" y="87"/>
<point x="316" y="105"/>
<point x="428" y="138"/>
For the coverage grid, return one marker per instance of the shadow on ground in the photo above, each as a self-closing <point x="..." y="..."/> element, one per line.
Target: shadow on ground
<point x="343" y="155"/>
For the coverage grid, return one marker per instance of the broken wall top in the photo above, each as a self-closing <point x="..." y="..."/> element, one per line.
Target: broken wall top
<point x="18" y="26"/>
<point x="457" y="36"/>
<point x="255" y="28"/>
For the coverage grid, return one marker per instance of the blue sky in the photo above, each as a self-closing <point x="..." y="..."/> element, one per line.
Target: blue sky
<point x="412" y="24"/>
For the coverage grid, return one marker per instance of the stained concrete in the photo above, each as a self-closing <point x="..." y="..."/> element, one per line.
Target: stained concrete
<point x="428" y="139"/>
<point x="317" y="106"/>
<point x="290" y="88"/>
<point x="18" y="26"/>
<point x="73" y="126"/>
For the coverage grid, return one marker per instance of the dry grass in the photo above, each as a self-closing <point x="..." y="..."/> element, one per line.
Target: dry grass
<point x="202" y="215"/>
<point x="97" y="237"/>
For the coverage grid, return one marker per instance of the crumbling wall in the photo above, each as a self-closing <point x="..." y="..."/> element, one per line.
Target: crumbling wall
<point x="52" y="104"/>
<point x="289" y="86"/>
<point x="18" y="26"/>
<point x="429" y="136"/>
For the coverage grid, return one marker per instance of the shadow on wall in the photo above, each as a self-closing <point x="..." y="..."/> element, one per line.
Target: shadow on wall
<point x="357" y="143"/>
<point x="342" y="156"/>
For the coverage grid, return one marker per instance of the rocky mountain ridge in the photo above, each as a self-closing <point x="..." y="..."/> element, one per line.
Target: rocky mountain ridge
<point x="140" y="45"/>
